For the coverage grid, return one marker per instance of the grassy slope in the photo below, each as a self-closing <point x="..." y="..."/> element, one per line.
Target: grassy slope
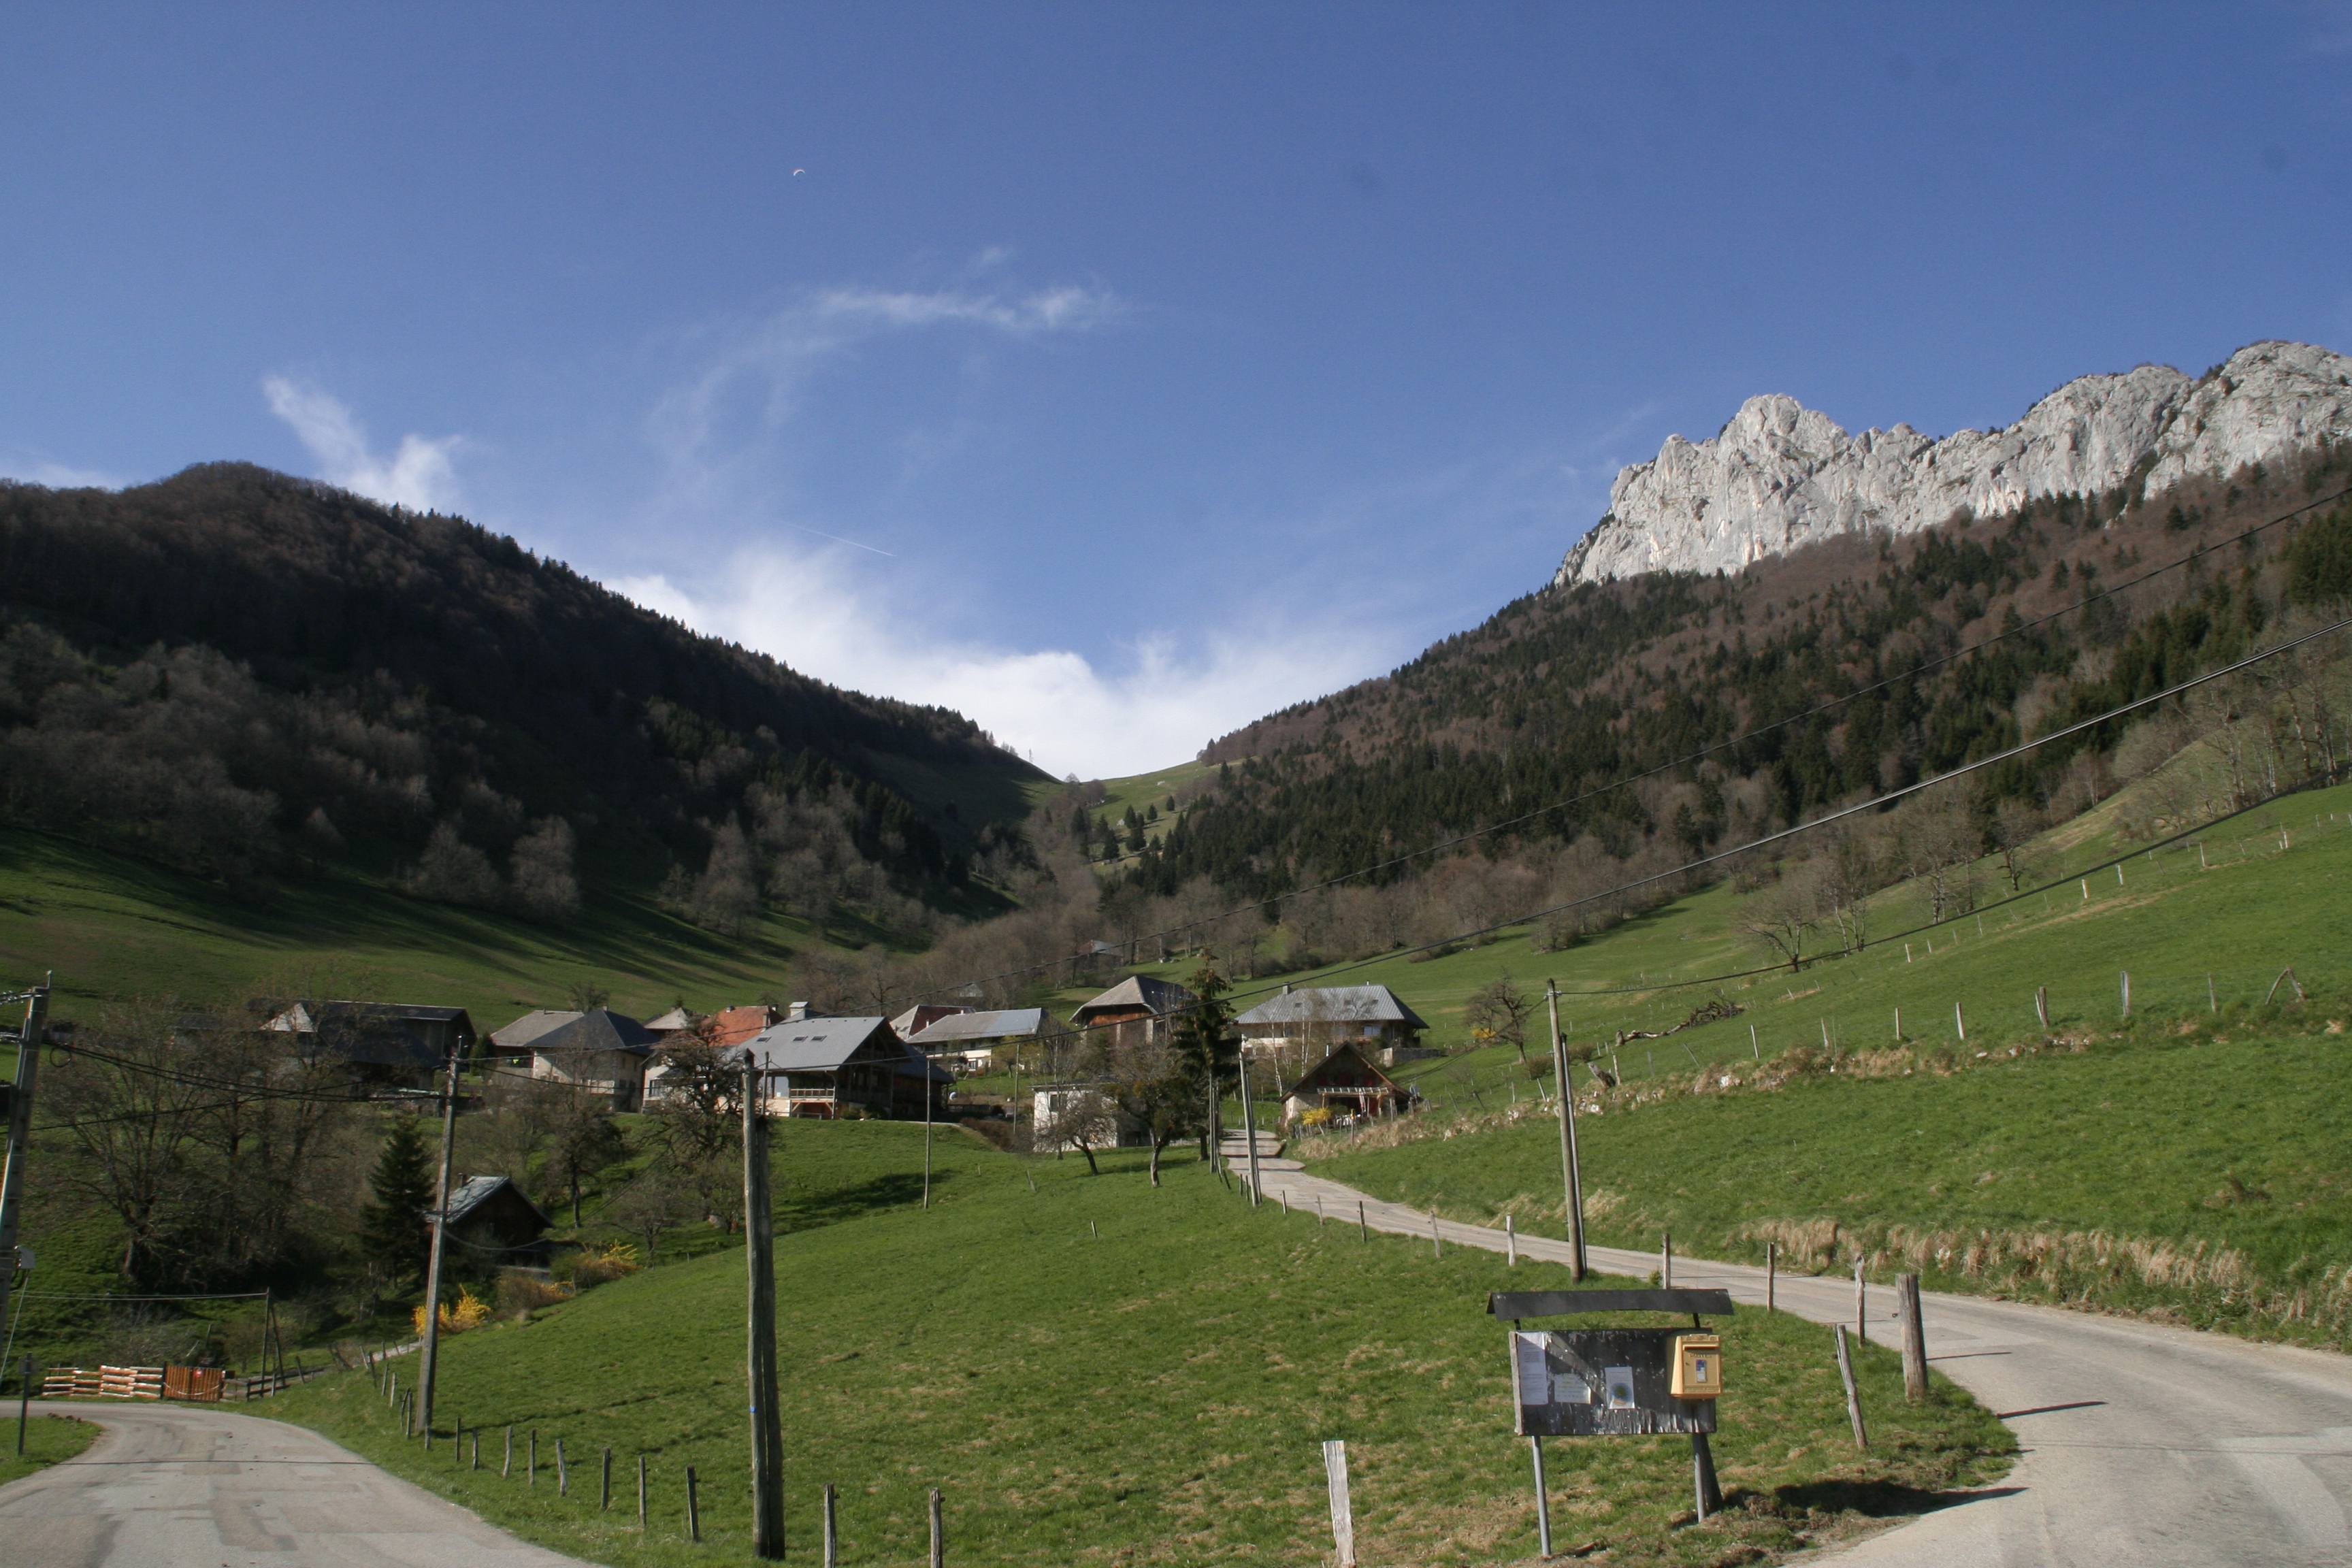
<point x="1155" y="1392"/>
<point x="2184" y="1125"/>
<point x="48" y="1439"/>
<point x="110" y="925"/>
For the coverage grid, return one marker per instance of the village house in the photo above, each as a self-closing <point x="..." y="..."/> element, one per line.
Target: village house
<point x="512" y="1043"/>
<point x="922" y="1015"/>
<point x="976" y="1041"/>
<point x="1298" y="1026"/>
<point x="490" y="1215"/>
<point x="1065" y="1116"/>
<point x="1345" y="1083"/>
<point x="827" y="1067"/>
<point x="678" y="1020"/>
<point x="734" y="1025"/>
<point x="603" y="1052"/>
<point x="1134" y="1011"/>
<point x="395" y="1043"/>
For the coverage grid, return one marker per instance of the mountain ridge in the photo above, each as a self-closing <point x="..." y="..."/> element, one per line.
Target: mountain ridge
<point x="1780" y="476"/>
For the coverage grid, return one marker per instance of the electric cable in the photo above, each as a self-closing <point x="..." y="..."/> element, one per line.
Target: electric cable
<point x="1818" y="710"/>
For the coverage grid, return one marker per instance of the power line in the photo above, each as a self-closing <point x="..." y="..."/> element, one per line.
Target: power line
<point x="2018" y="897"/>
<point x="1871" y="804"/>
<point x="1700" y="756"/>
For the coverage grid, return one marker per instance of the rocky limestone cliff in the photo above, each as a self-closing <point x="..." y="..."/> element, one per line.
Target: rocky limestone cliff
<point x="1779" y="475"/>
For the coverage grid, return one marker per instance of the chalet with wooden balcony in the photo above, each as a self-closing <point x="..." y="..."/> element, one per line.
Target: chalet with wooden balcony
<point x="1347" y="1083"/>
<point x="827" y="1067"/>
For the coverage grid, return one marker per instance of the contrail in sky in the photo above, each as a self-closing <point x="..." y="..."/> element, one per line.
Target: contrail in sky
<point x="839" y="540"/>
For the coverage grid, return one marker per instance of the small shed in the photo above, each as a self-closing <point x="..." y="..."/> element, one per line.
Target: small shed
<point x="490" y="1214"/>
<point x="1346" y="1082"/>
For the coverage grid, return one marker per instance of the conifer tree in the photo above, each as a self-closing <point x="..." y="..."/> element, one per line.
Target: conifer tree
<point x="391" y="1223"/>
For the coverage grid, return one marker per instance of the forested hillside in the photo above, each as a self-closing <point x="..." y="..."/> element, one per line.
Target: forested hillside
<point x="1823" y="677"/>
<point x="254" y="676"/>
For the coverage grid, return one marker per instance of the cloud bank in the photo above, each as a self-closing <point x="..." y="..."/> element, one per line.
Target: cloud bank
<point x="418" y="476"/>
<point x="818" y="614"/>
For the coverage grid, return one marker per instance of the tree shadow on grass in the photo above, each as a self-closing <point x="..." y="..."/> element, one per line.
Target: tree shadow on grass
<point x="808" y="1210"/>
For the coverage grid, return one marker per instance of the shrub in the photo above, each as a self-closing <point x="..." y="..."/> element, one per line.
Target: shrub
<point x="521" y="1294"/>
<point x="468" y="1311"/>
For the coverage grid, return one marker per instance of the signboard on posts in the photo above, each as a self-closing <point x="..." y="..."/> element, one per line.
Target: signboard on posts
<point x="1600" y="1383"/>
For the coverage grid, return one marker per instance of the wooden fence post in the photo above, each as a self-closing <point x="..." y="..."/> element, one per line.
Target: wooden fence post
<point x="1915" y="1338"/>
<point x="1666" y="1259"/>
<point x="506" y="1466"/>
<point x="641" y="1491"/>
<point x="562" y="1476"/>
<point x="2212" y="1002"/>
<point x="1852" y="1394"/>
<point x="2042" y="1004"/>
<point x="530" y="1461"/>
<point x="1510" y="1242"/>
<point x="1343" y="1516"/>
<point x="832" y="1530"/>
<point x="1771" y="1276"/>
<point x="2126" y="974"/>
<point x="1436" y="1244"/>
<point x="1360" y="1225"/>
<point x="1960" y="1022"/>
<point x="939" y="1531"/>
<point x="693" y="1507"/>
<point x="605" y="1490"/>
<point x="1860" y="1303"/>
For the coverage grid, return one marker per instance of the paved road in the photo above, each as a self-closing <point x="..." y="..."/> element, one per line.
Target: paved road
<point x="181" y="1486"/>
<point x="2143" y="1445"/>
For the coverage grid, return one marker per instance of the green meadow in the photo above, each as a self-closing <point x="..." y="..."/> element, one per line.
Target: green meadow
<point x="1091" y="1370"/>
<point x="111" y="926"/>
<point x="2186" y="1160"/>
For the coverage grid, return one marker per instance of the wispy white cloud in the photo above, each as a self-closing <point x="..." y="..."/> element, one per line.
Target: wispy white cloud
<point x="727" y="432"/>
<point x="419" y="475"/>
<point x="726" y="419"/>
<point x="821" y="617"/>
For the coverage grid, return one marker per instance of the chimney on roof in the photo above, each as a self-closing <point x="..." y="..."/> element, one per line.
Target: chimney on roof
<point x="797" y="1013"/>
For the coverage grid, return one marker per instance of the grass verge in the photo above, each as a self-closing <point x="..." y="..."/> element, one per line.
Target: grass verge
<point x="48" y="1439"/>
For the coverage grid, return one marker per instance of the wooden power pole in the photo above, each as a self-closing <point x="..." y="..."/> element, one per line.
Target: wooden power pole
<point x="428" y="1359"/>
<point x="20" y="1134"/>
<point x="1571" y="1178"/>
<point x="760" y="1255"/>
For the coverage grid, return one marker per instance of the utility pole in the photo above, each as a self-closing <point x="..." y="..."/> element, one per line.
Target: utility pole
<point x="20" y="1133"/>
<point x="759" y="1256"/>
<point x="1249" y="1129"/>
<point x="1571" y="1178"/>
<point x="428" y="1361"/>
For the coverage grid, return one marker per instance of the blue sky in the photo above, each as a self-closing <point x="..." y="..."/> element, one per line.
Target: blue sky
<point x="1113" y="373"/>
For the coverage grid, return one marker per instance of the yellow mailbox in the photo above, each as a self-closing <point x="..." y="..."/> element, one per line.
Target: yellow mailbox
<point x="1698" y="1367"/>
